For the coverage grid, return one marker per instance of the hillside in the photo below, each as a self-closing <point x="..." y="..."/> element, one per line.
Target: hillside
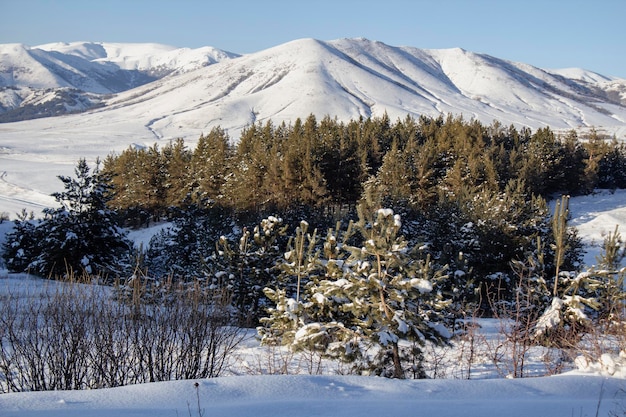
<point x="344" y="78"/>
<point x="362" y="77"/>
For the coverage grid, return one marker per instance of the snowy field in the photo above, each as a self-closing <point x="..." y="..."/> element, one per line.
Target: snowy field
<point x="249" y="389"/>
<point x="295" y="396"/>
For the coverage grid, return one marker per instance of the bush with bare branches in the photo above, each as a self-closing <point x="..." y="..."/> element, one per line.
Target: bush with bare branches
<point x="73" y="336"/>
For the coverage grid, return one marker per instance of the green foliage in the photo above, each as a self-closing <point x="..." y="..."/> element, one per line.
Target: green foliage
<point x="559" y="229"/>
<point x="362" y="301"/>
<point x="301" y="257"/>
<point x="612" y="275"/>
<point x="612" y="167"/>
<point x="81" y="235"/>
<point x="567" y="317"/>
<point x="473" y="194"/>
<point x="209" y="166"/>
<point x="184" y="251"/>
<point x="574" y="298"/>
<point x="247" y="265"/>
<point x="20" y="247"/>
<point x="613" y="251"/>
<point x="325" y="164"/>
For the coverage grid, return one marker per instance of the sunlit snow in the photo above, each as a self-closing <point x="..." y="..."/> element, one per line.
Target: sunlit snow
<point x="343" y="78"/>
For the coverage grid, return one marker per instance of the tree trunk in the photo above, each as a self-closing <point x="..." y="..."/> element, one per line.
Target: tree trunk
<point x="397" y="365"/>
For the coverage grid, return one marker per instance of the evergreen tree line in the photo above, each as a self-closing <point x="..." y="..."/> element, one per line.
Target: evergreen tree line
<point x="474" y="194"/>
<point x="324" y="165"/>
<point x="368" y="298"/>
<point x="447" y="218"/>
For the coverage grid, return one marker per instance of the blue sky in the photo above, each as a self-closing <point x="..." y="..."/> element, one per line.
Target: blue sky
<point x="589" y="34"/>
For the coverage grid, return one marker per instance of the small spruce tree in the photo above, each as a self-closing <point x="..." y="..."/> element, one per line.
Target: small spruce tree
<point x="82" y="234"/>
<point x="21" y="245"/>
<point x="250" y="266"/>
<point x="370" y="298"/>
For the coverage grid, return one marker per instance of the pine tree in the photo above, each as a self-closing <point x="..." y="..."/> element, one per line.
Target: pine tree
<point x="378" y="294"/>
<point x="22" y="243"/>
<point x="209" y="165"/>
<point x="183" y="252"/>
<point x="611" y="294"/>
<point x="302" y="262"/>
<point x="565" y="320"/>
<point x="612" y="167"/>
<point x="393" y="175"/>
<point x="244" y="186"/>
<point x="177" y="182"/>
<point x="82" y="234"/>
<point x="125" y="176"/>
<point x="339" y="163"/>
<point x="250" y="266"/>
<point x="560" y="246"/>
<point x="540" y="163"/>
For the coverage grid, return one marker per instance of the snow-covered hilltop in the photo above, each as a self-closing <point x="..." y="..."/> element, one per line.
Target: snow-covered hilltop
<point x="149" y="57"/>
<point x="344" y="78"/>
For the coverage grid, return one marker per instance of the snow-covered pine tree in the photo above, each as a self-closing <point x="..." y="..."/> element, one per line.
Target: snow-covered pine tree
<point x="183" y="250"/>
<point x="372" y="298"/>
<point x="566" y="318"/>
<point x="301" y="256"/>
<point x="250" y="266"/>
<point x="81" y="235"/>
<point x="300" y="265"/>
<point x="613" y="251"/>
<point x="611" y="273"/>
<point x="21" y="244"/>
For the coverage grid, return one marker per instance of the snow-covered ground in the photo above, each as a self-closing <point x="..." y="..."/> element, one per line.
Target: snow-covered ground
<point x="248" y="389"/>
<point x="296" y="396"/>
<point x="596" y="215"/>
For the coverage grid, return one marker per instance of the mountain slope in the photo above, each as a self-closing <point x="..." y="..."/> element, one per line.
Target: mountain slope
<point x="344" y="78"/>
<point x="153" y="58"/>
<point x="349" y="78"/>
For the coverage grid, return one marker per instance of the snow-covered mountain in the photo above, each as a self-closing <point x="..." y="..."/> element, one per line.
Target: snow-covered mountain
<point x="195" y="90"/>
<point x="152" y="58"/>
<point x="345" y="78"/>
<point x="59" y="78"/>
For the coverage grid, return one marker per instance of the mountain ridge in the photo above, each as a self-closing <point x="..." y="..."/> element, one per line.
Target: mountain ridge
<point x="346" y="78"/>
<point x="439" y="79"/>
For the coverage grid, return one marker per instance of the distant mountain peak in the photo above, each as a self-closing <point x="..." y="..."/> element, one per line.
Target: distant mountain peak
<point x="87" y="68"/>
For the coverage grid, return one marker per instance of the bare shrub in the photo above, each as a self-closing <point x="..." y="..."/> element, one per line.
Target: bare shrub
<point x="77" y="336"/>
<point x="516" y="319"/>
